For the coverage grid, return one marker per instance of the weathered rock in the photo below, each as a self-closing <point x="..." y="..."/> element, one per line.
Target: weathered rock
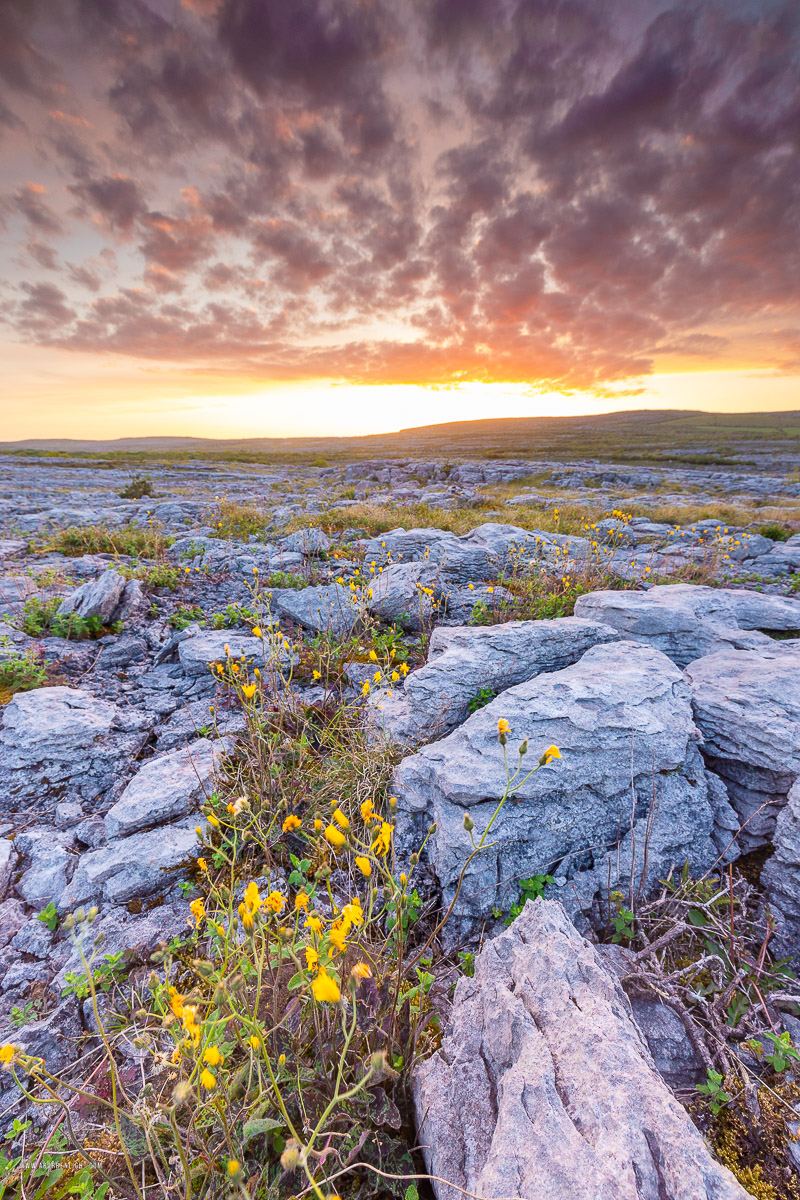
<point x="780" y="877"/>
<point x="544" y="1085"/>
<point x="99" y="598"/>
<point x="622" y="719"/>
<point x="132" y="867"/>
<point x="311" y="543"/>
<point x="199" y="719"/>
<point x="327" y="609"/>
<point x="55" y="722"/>
<point x="687" y="622"/>
<point x="208" y="646"/>
<point x="407" y="594"/>
<point x="747" y="707"/>
<point x="55" y="1039"/>
<point x="8" y="860"/>
<point x="49" y="864"/>
<point x="475" y="604"/>
<point x="165" y="788"/>
<point x="464" y="661"/>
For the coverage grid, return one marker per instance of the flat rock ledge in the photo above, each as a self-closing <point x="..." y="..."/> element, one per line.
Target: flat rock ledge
<point x="544" y="1084"/>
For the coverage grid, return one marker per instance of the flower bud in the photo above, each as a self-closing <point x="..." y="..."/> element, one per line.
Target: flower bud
<point x="92" y="914"/>
<point x="469" y="824"/>
<point x="291" y="1155"/>
<point x="80" y="916"/>
<point x="181" y="1093"/>
<point x="523" y="747"/>
<point x="413" y="859"/>
<point x="432" y="829"/>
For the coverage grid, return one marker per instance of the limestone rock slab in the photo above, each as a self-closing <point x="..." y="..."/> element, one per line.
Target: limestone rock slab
<point x="544" y="1085"/>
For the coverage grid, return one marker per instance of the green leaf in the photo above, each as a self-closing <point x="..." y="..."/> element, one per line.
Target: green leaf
<point x="258" y="1127"/>
<point x="696" y="917"/>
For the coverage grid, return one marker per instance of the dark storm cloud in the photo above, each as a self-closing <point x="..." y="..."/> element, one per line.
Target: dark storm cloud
<point x="532" y="191"/>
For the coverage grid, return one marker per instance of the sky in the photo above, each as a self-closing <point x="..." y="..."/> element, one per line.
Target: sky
<point x="284" y="217"/>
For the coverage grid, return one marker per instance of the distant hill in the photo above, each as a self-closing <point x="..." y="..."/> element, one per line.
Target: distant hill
<point x="639" y="434"/>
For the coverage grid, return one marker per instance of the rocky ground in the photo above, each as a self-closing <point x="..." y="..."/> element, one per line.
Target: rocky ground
<point x="675" y="705"/>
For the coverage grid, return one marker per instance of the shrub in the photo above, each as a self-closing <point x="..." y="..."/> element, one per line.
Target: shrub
<point x="238" y="521"/>
<point x="20" y="671"/>
<point x="148" y="541"/>
<point x="42" y="618"/>
<point x="140" y="485"/>
<point x="778" y="533"/>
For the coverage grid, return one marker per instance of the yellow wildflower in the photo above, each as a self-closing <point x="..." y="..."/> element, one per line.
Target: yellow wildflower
<point x="291" y="822"/>
<point x="335" y="836"/>
<point x="248" y="690"/>
<point x="255" y="1042"/>
<point x="550" y="753"/>
<point x="256" y="631"/>
<point x="337" y="935"/>
<point x="208" y="1080"/>
<point x="373" y="656"/>
<point x="317" y="825"/>
<point x="313" y="923"/>
<point x="362" y="970"/>
<point x="503" y="726"/>
<point x="325" y="989"/>
<point x="233" y="1168"/>
<point x="198" y="911"/>
<point x="383" y="841"/>
<point x="212" y="1056"/>
<point x="354" y="912"/>
<point x="365" y="688"/>
<point x="312" y="958"/>
<point x="251" y="903"/>
<point x="7" y="1053"/>
<point x="364" y="865"/>
<point x="202" y="864"/>
<point x="212" y="820"/>
<point x="340" y="819"/>
<point x="368" y="811"/>
<point x="275" y="902"/>
<point x="301" y="902"/>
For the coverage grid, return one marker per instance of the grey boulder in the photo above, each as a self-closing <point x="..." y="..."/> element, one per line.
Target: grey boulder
<point x="165" y="788"/>
<point x="311" y="543"/>
<point x="98" y="598"/>
<point x="132" y="867"/>
<point x="747" y="707"/>
<point x="196" y="654"/>
<point x="330" y="608"/>
<point x="544" y="1085"/>
<point x="780" y="878"/>
<point x="53" y="723"/>
<point x="464" y="661"/>
<point x="407" y="594"/>
<point x="627" y="800"/>
<point x="687" y="622"/>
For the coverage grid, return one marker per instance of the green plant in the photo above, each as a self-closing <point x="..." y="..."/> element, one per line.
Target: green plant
<point x="717" y="1097"/>
<point x="158" y="575"/>
<point x="184" y="615"/>
<point x="783" y="1052"/>
<point x="231" y="616"/>
<point x="481" y="698"/>
<point x="148" y="541"/>
<point x="25" y="1015"/>
<point x="19" y="672"/>
<point x="530" y="889"/>
<point x="41" y="617"/>
<point x="138" y="486"/>
<point x="778" y="533"/>
<point x="623" y="922"/>
<point x="49" y="917"/>
<point x="103" y="978"/>
<point x="286" y="579"/>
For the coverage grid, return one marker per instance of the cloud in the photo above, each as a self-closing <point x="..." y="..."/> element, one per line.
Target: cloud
<point x="404" y="191"/>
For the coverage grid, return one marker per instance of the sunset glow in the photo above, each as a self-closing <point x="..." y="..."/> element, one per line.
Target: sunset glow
<point x="242" y="217"/>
